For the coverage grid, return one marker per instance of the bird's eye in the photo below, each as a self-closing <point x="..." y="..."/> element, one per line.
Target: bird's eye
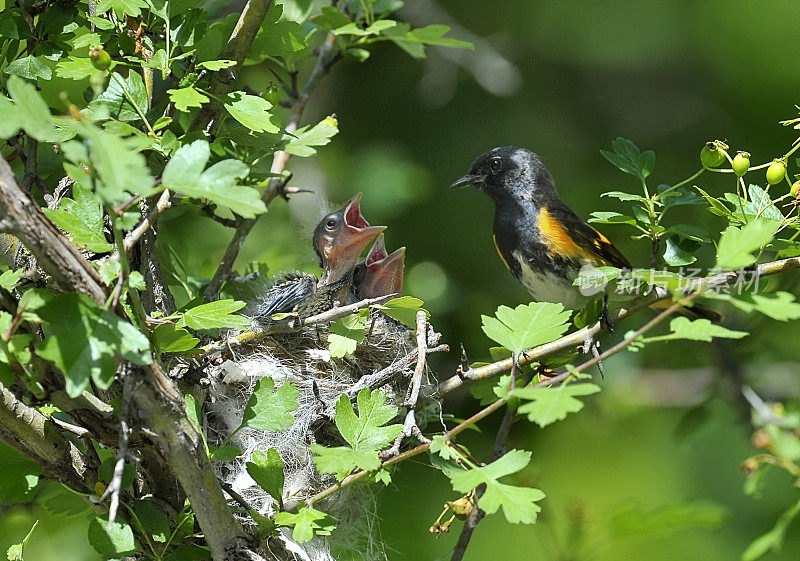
<point x="495" y="165"/>
<point x="331" y="223"/>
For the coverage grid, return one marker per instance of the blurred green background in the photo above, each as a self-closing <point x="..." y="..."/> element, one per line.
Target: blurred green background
<point x="651" y="468"/>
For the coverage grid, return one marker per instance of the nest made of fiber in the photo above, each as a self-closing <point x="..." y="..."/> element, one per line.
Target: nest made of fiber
<point x="303" y="359"/>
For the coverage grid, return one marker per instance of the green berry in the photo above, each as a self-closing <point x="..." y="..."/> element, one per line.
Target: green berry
<point x="100" y="57"/>
<point x="713" y="154"/>
<point x="776" y="171"/>
<point x="795" y="190"/>
<point x="741" y="163"/>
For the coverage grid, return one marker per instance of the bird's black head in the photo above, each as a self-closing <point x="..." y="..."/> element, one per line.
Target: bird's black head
<point x="507" y="171"/>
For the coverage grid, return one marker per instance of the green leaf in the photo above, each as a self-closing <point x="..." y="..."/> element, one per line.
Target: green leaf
<point x="715" y="205"/>
<point x="153" y="522"/>
<point x="696" y="330"/>
<point x="29" y="67"/>
<point x="280" y="38"/>
<point x="76" y="68"/>
<point x="184" y="98"/>
<point x="28" y="112"/>
<point x="413" y="41"/>
<point x="318" y="135"/>
<point x="251" y="111"/>
<point x="627" y="158"/>
<point x="760" y="204"/>
<point x="217" y="314"/>
<point x="623" y="196"/>
<point x="267" y="471"/>
<point x="548" y="405"/>
<point x="678" y="251"/>
<point x="15" y="552"/>
<point x="20" y="476"/>
<point x="121" y="7"/>
<point x="404" y="309"/>
<point x="113" y="543"/>
<point x="780" y="305"/>
<point x="184" y="173"/>
<point x="612" y="218"/>
<point x="345" y="334"/>
<point x="119" y="105"/>
<point x="214" y="65"/>
<point x="330" y="19"/>
<point x="188" y="553"/>
<point x="527" y="325"/>
<point x="9" y="279"/>
<point x="365" y="433"/>
<point x="772" y="540"/>
<point x="270" y="411"/>
<point x="84" y="340"/>
<point x="193" y="412"/>
<point x="307" y="523"/>
<point x="224" y="453"/>
<point x="173" y="339"/>
<point x="736" y="246"/>
<point x="82" y="216"/>
<point x="518" y="503"/>
<point x="352" y="28"/>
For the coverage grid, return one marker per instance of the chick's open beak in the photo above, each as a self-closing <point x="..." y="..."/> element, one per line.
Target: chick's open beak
<point x="384" y="274"/>
<point x="355" y="234"/>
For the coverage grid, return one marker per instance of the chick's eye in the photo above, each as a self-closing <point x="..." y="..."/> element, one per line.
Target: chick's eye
<point x="330" y="224"/>
<point x="495" y="164"/>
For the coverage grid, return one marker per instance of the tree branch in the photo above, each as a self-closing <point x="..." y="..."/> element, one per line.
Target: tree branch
<point x="53" y="252"/>
<point x="30" y="432"/>
<point x="324" y="62"/>
<point x="237" y="48"/>
<point x="575" y="338"/>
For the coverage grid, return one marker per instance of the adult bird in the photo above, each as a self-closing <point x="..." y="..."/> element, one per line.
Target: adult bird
<point x="380" y="273"/>
<point x="338" y="241"/>
<point x="540" y="239"/>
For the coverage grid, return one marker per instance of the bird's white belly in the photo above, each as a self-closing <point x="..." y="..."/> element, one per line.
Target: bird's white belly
<point x="549" y="287"/>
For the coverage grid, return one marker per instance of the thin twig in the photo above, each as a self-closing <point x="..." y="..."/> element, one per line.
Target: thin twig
<point x="294" y="324"/>
<point x="115" y="487"/>
<point x="277" y="183"/>
<point x="476" y="514"/>
<point x="489" y="409"/>
<point x="151" y="219"/>
<point x="422" y="347"/>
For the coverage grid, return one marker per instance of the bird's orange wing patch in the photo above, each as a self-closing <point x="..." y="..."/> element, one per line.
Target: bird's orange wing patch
<point x="558" y="240"/>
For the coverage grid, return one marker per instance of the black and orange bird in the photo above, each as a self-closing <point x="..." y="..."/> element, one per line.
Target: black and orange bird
<point x="540" y="239"/>
<point x="338" y="241"/>
<point x="381" y="273"/>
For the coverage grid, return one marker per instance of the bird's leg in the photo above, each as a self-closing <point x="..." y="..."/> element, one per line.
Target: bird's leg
<point x="605" y="317"/>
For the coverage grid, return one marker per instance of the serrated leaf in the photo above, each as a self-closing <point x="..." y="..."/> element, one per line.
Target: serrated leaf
<point x="121" y="7"/>
<point x="365" y="433"/>
<point x="548" y="405"/>
<point x="627" y="157"/>
<point x="780" y="305"/>
<point x="697" y="330"/>
<point x="224" y="453"/>
<point x="28" y="111"/>
<point x="173" y="339"/>
<point x="267" y="471"/>
<point x="375" y="28"/>
<point x="270" y="411"/>
<point x="82" y="216"/>
<point x="736" y="246"/>
<point x="251" y="111"/>
<point x="184" y="174"/>
<point x="217" y="314"/>
<point x="75" y="68"/>
<point x="404" y="309"/>
<point x="184" y="98"/>
<point x="305" y="138"/>
<point x="9" y="279"/>
<point x="214" y="65"/>
<point x="84" y="340"/>
<point x="760" y="204"/>
<point x="678" y="252"/>
<point x="527" y="325"/>
<point x="122" y="106"/>
<point x="612" y="218"/>
<point x="345" y="334"/>
<point x="113" y="543"/>
<point x="30" y="68"/>
<point x="518" y="503"/>
<point x="20" y="476"/>
<point x="152" y="521"/>
<point x="307" y="523"/>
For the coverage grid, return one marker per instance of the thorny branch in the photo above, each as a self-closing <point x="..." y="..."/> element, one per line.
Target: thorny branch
<point x="325" y="58"/>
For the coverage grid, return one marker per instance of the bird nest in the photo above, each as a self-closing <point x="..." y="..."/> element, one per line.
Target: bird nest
<point x="385" y="359"/>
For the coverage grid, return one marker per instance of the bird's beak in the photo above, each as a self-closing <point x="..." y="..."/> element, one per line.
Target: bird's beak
<point x="354" y="235"/>
<point x="384" y="272"/>
<point x="475" y="179"/>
